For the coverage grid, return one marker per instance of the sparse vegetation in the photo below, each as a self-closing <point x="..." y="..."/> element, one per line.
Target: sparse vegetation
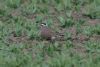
<point x="22" y="46"/>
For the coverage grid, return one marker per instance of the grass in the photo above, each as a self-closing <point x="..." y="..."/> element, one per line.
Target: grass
<point x="22" y="46"/>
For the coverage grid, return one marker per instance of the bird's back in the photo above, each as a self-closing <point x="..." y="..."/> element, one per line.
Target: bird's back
<point x="47" y="33"/>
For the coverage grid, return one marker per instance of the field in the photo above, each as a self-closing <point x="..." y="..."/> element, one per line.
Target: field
<point x="22" y="46"/>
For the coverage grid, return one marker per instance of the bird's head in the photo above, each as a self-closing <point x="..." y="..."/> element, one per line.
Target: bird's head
<point x="43" y="24"/>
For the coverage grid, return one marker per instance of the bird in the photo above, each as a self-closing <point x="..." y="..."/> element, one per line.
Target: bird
<point x="46" y="32"/>
<point x="49" y="34"/>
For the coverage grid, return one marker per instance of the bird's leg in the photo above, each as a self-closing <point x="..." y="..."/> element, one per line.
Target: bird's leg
<point x="53" y="38"/>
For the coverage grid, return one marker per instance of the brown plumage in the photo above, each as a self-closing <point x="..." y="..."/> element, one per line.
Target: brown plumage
<point x="46" y="32"/>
